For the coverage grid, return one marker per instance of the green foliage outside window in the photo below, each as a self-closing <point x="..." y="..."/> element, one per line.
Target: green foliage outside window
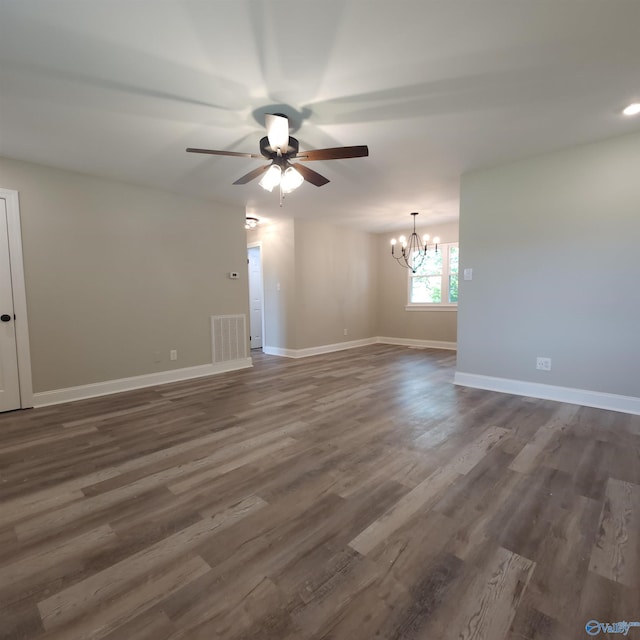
<point x="437" y="276"/>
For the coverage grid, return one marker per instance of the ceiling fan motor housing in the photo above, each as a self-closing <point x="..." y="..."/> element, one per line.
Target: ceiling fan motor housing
<point x="268" y="152"/>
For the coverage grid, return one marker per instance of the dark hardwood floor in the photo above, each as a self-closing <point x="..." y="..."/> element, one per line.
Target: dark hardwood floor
<point x="355" y="495"/>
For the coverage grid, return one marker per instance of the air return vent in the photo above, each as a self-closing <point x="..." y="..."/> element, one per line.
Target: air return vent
<point x="228" y="338"/>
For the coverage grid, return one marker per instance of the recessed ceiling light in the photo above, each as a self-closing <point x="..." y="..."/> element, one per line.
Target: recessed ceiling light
<point x="632" y="109"/>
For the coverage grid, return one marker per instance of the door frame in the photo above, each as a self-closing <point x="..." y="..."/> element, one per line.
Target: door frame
<point x="258" y="245"/>
<point x="19" y="296"/>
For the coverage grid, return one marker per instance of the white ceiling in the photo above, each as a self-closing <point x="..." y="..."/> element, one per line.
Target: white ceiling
<point x="120" y="88"/>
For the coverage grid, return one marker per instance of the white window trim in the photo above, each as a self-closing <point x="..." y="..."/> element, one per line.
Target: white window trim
<point x="432" y="306"/>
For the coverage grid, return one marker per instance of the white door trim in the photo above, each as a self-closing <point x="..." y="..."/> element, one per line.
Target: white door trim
<point x="253" y="245"/>
<point x="19" y="296"/>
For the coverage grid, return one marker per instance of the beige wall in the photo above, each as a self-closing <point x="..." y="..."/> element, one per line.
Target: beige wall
<point x="393" y="320"/>
<point x="336" y="286"/>
<point x="553" y="243"/>
<point x="324" y="285"/>
<point x="115" y="273"/>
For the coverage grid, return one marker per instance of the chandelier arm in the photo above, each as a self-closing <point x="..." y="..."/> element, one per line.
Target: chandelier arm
<point x="402" y="261"/>
<point x="416" y="255"/>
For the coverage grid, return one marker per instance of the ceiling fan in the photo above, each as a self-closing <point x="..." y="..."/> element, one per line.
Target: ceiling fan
<point x="281" y="148"/>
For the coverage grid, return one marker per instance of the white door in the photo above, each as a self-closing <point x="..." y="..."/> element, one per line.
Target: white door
<point x="255" y="296"/>
<point x="9" y="383"/>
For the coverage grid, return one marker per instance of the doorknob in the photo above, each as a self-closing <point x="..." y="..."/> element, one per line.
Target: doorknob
<point x="5" y="317"/>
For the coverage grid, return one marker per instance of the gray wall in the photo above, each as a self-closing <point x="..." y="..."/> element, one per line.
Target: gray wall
<point x="553" y="243"/>
<point x="115" y="273"/>
<point x="393" y="320"/>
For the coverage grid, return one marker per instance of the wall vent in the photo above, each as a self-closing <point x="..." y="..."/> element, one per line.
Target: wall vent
<point x="228" y="338"/>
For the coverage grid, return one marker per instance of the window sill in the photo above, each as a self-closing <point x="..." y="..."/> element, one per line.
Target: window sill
<point x="431" y="307"/>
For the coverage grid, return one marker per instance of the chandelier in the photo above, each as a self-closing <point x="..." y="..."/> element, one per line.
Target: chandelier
<point x="413" y="251"/>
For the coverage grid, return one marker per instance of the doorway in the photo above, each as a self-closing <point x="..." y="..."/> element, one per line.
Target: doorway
<point x="15" y="362"/>
<point x="256" y="296"/>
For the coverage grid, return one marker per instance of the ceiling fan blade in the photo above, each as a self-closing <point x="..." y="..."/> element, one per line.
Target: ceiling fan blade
<point x="252" y="175"/>
<point x="310" y="175"/>
<point x="213" y="152"/>
<point x="277" y="132"/>
<point x="335" y="153"/>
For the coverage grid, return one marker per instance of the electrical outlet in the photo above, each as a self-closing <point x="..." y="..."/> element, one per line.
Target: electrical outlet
<point x="173" y="354"/>
<point x="345" y="332"/>
<point x="543" y="364"/>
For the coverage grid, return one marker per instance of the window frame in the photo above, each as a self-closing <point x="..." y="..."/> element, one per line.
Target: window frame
<point x="446" y="273"/>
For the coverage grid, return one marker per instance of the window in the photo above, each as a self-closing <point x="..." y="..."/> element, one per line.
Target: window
<point x="435" y="282"/>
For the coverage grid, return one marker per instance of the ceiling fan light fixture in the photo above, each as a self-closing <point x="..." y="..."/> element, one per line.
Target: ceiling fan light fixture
<point x="291" y="180"/>
<point x="279" y="147"/>
<point x="271" y="178"/>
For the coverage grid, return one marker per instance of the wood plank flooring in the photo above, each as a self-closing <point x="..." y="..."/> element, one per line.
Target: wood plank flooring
<point x="354" y="495"/>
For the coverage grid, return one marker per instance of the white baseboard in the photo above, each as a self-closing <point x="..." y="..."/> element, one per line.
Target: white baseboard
<point x="424" y="344"/>
<point x="352" y="344"/>
<point x="279" y="351"/>
<point x="597" y="399"/>
<point x="316" y="351"/>
<point x="57" y="396"/>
